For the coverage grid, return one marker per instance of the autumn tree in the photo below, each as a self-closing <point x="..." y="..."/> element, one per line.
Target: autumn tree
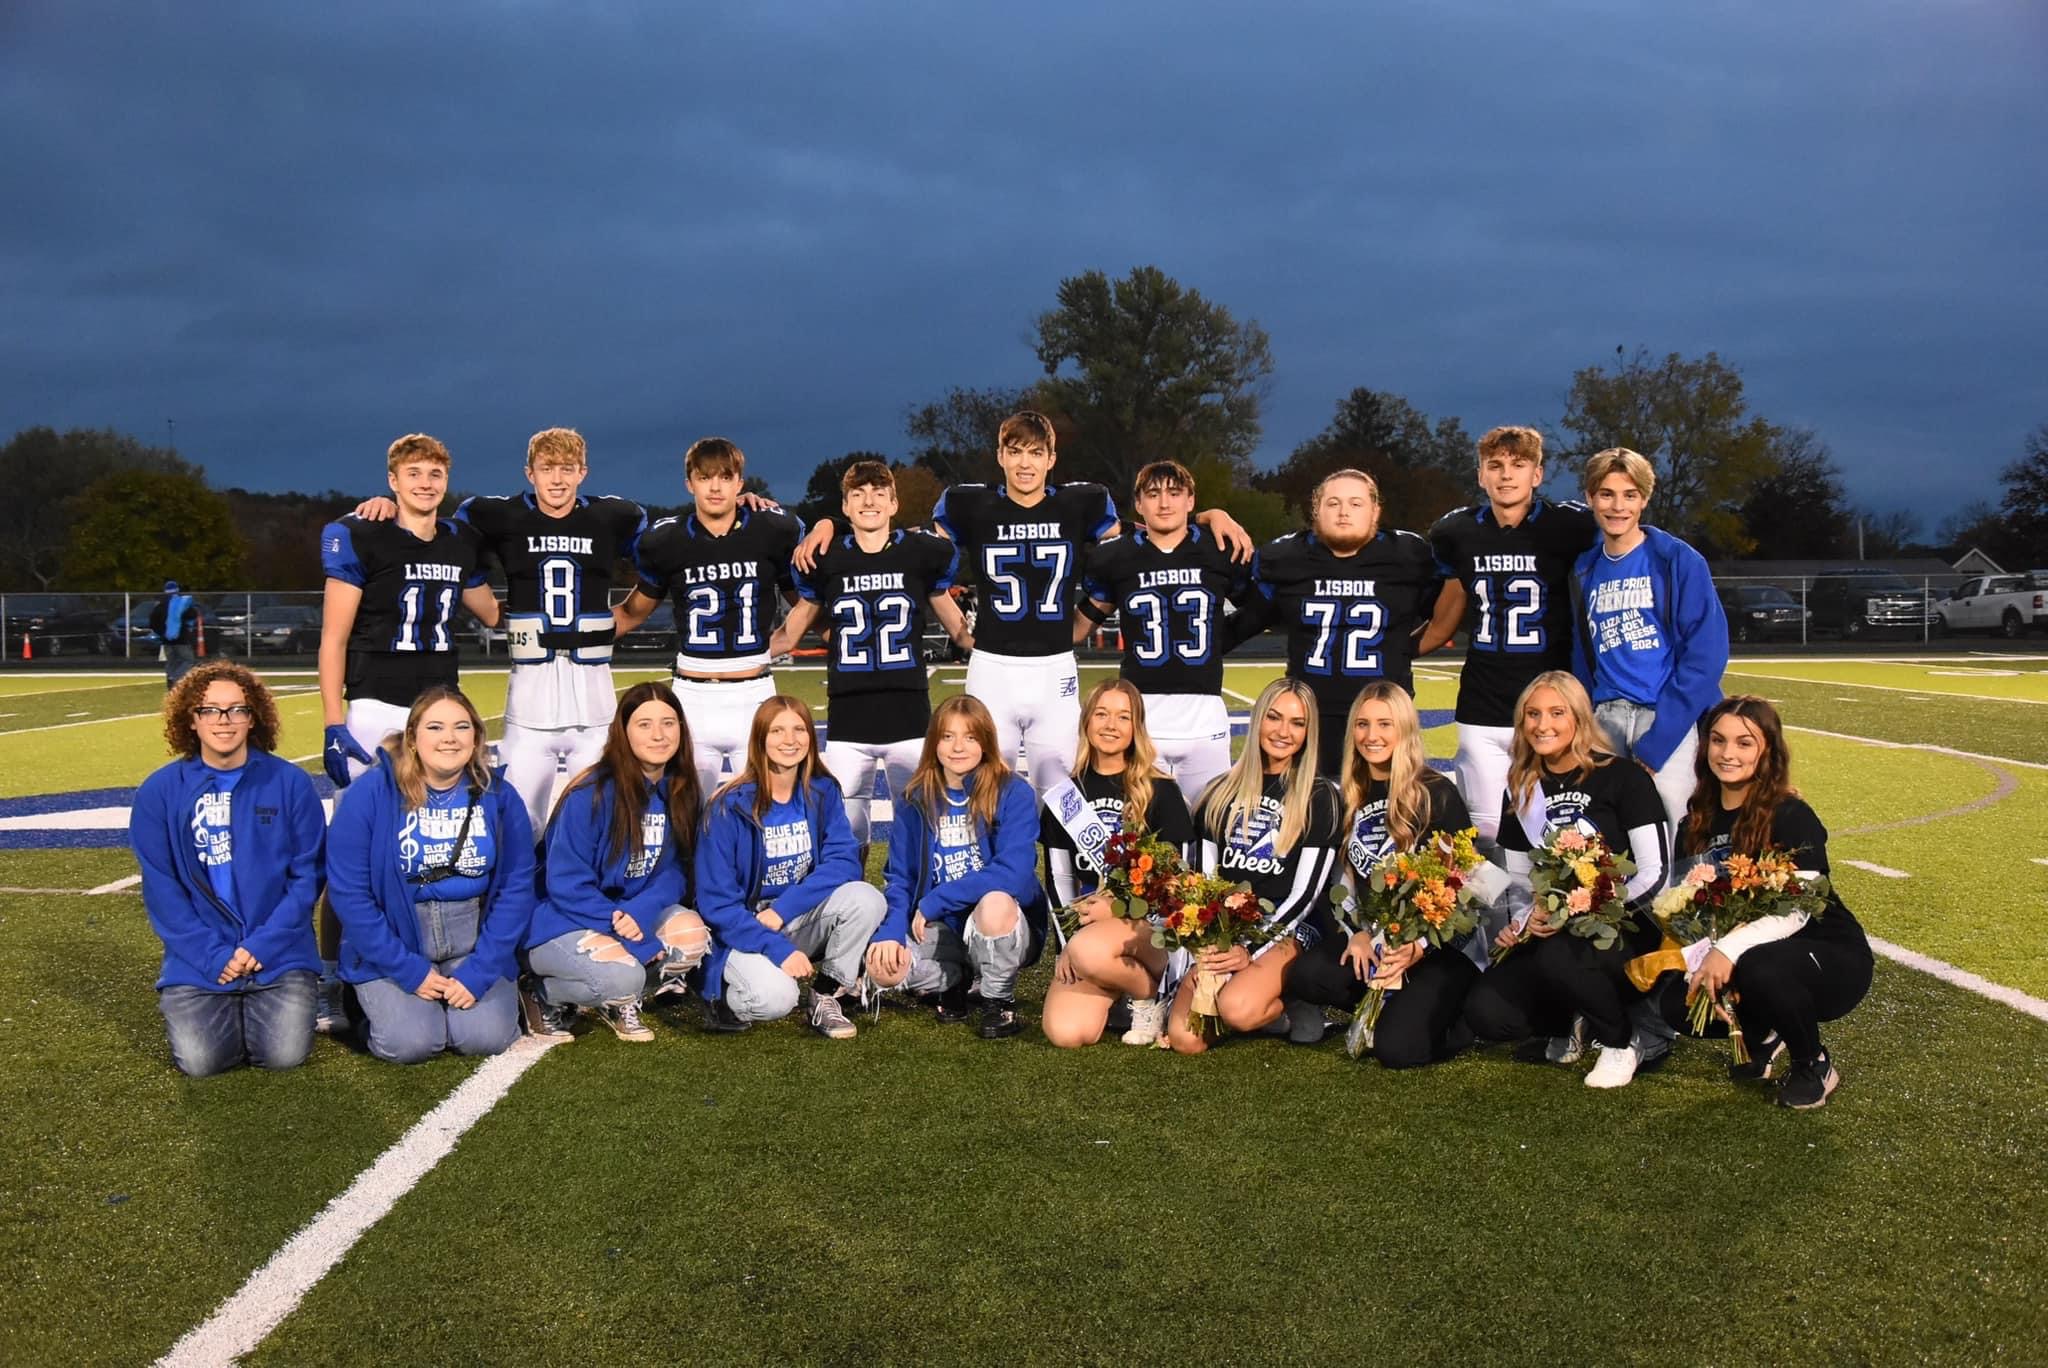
<point x="1690" y="419"/>
<point x="137" y="528"/>
<point x="955" y="436"/>
<point x="43" y="472"/>
<point x="1797" y="512"/>
<point x="1423" y="471"/>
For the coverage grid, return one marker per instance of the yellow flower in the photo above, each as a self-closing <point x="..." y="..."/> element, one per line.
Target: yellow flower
<point x="1586" y="872"/>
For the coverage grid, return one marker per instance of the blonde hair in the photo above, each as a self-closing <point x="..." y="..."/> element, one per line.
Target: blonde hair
<point x="1227" y="804"/>
<point x="1525" y="442"/>
<point x="1408" y="803"/>
<point x="1141" y="761"/>
<point x="1620" y="460"/>
<point x="415" y="446"/>
<point x="1525" y="766"/>
<point x="410" y="771"/>
<point x="563" y="444"/>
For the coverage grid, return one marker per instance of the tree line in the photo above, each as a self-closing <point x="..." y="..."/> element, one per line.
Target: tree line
<point x="1132" y="370"/>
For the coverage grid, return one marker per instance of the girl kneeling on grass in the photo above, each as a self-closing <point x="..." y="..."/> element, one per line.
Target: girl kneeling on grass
<point x="230" y="839"/>
<point x="1786" y="973"/>
<point x="962" y="879"/>
<point x="779" y="881"/>
<point x="1392" y="800"/>
<point x="1271" y="822"/>
<point x="1562" y="773"/>
<point x="619" y="853"/>
<point x="430" y="870"/>
<point x="1117" y="770"/>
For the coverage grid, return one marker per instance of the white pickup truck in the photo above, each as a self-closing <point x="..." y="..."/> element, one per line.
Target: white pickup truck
<point x="2006" y="604"/>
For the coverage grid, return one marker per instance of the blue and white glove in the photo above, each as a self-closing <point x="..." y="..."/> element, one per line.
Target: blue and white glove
<point x="341" y="748"/>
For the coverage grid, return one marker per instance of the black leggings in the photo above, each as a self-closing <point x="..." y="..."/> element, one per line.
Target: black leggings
<point x="1548" y="980"/>
<point x="1791" y="986"/>
<point x="1423" y="1019"/>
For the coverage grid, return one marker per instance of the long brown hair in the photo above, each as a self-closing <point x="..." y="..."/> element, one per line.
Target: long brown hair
<point x="756" y="770"/>
<point x="1525" y="766"/>
<point x="1771" y="786"/>
<point x="1407" y="799"/>
<point x="1141" y="761"/>
<point x="1232" y="799"/>
<point x="621" y="770"/>
<point x="407" y="768"/>
<point x="189" y="692"/>
<point x="927" y="785"/>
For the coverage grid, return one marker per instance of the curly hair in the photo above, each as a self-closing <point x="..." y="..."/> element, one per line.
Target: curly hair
<point x="180" y="735"/>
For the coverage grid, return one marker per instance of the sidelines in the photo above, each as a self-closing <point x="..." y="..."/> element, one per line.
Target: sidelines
<point x="1888" y="688"/>
<point x="273" y="1291"/>
<point x="1962" y="978"/>
<point x="1918" y="746"/>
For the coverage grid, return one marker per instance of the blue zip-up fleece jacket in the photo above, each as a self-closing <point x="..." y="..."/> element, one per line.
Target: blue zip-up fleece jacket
<point x="279" y="834"/>
<point x="1009" y="864"/>
<point x="731" y="856"/>
<point x="380" y="932"/>
<point x="1694" y="624"/>
<point x="584" y="884"/>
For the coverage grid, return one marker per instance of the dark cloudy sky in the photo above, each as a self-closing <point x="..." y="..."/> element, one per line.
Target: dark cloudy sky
<point x="301" y="229"/>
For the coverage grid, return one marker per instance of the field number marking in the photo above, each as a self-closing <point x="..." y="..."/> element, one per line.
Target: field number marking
<point x="1884" y="870"/>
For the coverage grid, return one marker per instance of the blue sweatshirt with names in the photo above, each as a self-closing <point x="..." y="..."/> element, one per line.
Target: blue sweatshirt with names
<point x="732" y="863"/>
<point x="586" y="883"/>
<point x="1005" y="860"/>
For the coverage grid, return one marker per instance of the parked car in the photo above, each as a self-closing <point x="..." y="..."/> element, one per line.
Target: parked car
<point x="1761" y="612"/>
<point x="658" y="633"/>
<point x="1857" y="601"/>
<point x="52" y="626"/>
<point x="2005" y="604"/>
<point x="272" y="629"/>
<point x="130" y="634"/>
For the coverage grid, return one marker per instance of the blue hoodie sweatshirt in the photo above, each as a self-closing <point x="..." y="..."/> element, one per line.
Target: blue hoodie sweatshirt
<point x="1009" y="864"/>
<point x="585" y="883"/>
<point x="1695" y="633"/>
<point x="279" y="833"/>
<point x="380" y="934"/>
<point x="731" y="857"/>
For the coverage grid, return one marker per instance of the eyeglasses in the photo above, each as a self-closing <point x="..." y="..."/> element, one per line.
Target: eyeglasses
<point x="239" y="712"/>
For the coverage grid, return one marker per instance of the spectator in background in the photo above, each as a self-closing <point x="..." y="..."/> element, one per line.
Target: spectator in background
<point x="175" y="620"/>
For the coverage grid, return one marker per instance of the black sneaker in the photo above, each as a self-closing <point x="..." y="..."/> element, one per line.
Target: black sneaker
<point x="999" y="1020"/>
<point x="1307" y="1023"/>
<point x="720" y="1019"/>
<point x="1809" y="1084"/>
<point x="953" y="1008"/>
<point x="1762" y="1056"/>
<point x="1119" y="1018"/>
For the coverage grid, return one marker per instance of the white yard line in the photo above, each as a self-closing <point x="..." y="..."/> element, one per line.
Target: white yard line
<point x="1884" y="870"/>
<point x="1887" y="688"/>
<point x="1242" y="698"/>
<point x="1918" y="746"/>
<point x="118" y="885"/>
<point x="274" y="1290"/>
<point x="1963" y="978"/>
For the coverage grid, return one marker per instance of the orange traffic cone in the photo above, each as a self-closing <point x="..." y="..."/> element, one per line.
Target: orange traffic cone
<point x="199" y="641"/>
<point x="28" y="648"/>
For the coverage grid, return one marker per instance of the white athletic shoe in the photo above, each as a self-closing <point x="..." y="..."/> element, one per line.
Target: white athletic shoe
<point x="1148" y="1022"/>
<point x="1614" y="1067"/>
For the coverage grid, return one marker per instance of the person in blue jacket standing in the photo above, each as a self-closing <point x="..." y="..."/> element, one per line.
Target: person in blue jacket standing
<point x="430" y="871"/>
<point x="779" y="882"/>
<point x="1651" y="639"/>
<point x="962" y="879"/>
<point x="230" y="840"/>
<point x="175" y="620"/>
<point x="620" y="849"/>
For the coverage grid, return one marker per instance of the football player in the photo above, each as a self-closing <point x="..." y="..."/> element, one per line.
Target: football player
<point x="872" y="587"/>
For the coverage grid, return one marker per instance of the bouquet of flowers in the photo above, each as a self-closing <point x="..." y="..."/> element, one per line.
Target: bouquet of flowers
<point x="1413" y="895"/>
<point x="1712" y="901"/>
<point x="1202" y="912"/>
<point x="1581" y="885"/>
<point x="1138" y="868"/>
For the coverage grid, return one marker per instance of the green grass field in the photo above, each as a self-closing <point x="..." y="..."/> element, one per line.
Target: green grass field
<point x="919" y="1194"/>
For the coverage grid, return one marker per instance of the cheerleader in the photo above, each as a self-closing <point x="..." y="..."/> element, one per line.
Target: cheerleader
<point x="1270" y="822"/>
<point x="1117" y="771"/>
<point x="1786" y="973"/>
<point x="1563" y="773"/>
<point x="1392" y="799"/>
<point x="619" y="853"/>
<point x="962" y="886"/>
<point x="779" y="881"/>
<point x="430" y="870"/>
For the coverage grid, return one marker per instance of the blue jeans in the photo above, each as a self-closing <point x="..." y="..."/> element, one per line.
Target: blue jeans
<point x="406" y="1029"/>
<point x="216" y="1029"/>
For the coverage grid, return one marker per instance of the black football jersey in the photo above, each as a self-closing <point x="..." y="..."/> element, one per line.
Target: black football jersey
<point x="724" y="588"/>
<point x="403" y="639"/>
<point x="1170" y="606"/>
<point x="873" y="603"/>
<point x="1518" y="611"/>
<point x="558" y="571"/>
<point x="1348" y="619"/>
<point x="1026" y="562"/>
